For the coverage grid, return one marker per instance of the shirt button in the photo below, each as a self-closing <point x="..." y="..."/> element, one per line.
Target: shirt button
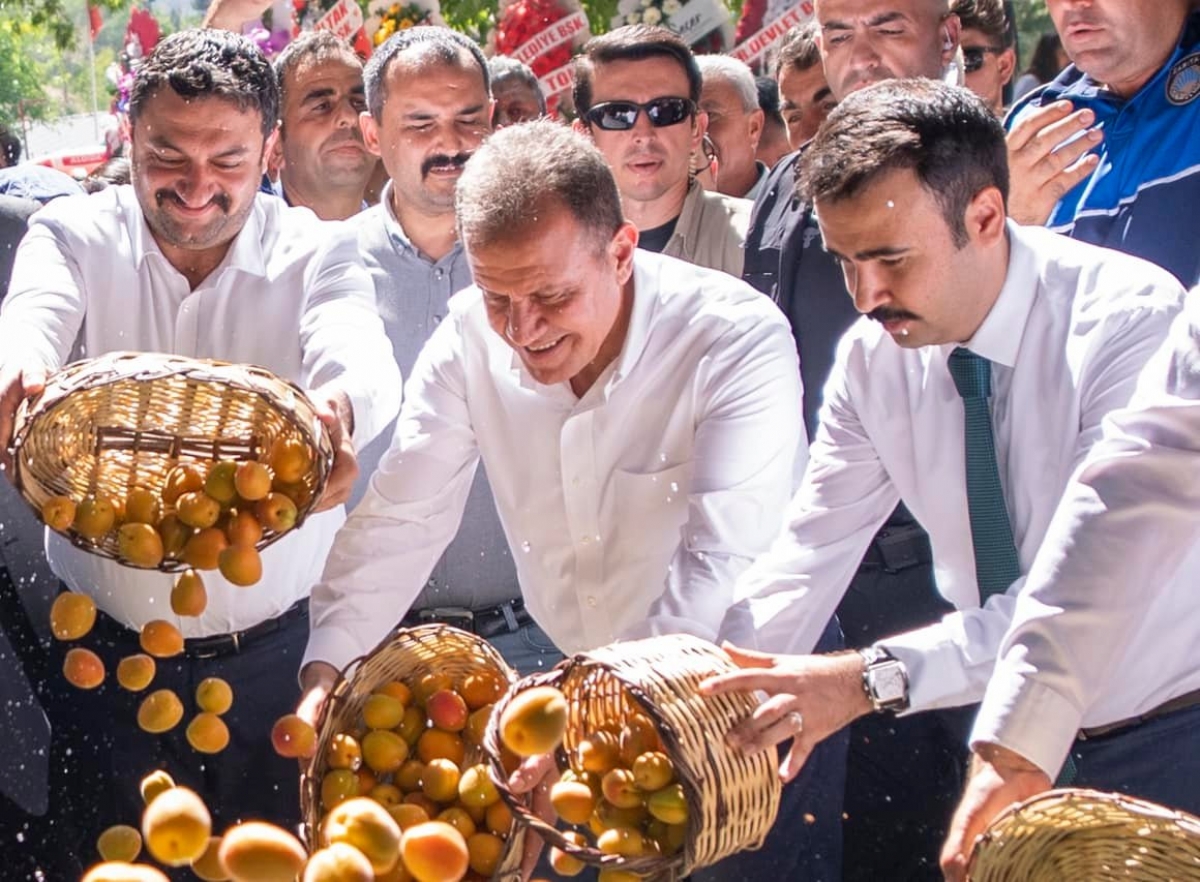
<point x="585" y="540"/>
<point x="591" y="601"/>
<point x="438" y="273"/>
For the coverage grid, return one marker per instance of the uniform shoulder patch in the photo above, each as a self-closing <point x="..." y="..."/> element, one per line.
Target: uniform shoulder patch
<point x="1183" y="81"/>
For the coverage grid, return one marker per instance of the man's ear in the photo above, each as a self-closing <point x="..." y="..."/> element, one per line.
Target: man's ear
<point x="985" y="217"/>
<point x="950" y="30"/>
<point x="755" y="129"/>
<point x="370" y="132"/>
<point x="272" y="150"/>
<point x="621" y="250"/>
<point x="1006" y="63"/>
<point x="699" y="128"/>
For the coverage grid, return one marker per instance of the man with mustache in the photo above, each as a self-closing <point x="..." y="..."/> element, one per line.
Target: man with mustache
<point x="989" y="357"/>
<point x="1108" y="152"/>
<point x="429" y="107"/>
<point x="325" y="165"/>
<point x="637" y="92"/>
<point x="191" y="259"/>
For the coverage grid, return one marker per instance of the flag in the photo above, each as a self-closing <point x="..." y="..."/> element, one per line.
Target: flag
<point x="95" y="22"/>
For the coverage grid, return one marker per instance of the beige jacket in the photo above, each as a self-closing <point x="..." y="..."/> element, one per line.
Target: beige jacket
<point x="711" y="230"/>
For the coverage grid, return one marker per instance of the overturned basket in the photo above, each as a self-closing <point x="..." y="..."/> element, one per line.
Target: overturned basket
<point x="406" y="654"/>
<point x="124" y="420"/>
<point x="732" y="798"/>
<point x="1073" y="835"/>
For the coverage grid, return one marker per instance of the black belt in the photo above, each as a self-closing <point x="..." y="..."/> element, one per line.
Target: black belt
<point x="899" y="548"/>
<point x="506" y="618"/>
<point x="1178" y="703"/>
<point x="227" y="644"/>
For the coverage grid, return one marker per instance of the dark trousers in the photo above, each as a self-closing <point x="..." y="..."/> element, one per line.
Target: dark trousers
<point x="109" y="754"/>
<point x="904" y="775"/>
<point x="1158" y="760"/>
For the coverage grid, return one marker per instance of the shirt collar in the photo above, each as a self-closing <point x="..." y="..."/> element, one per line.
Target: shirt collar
<point x="245" y="253"/>
<point x="763" y="171"/>
<point x="395" y="230"/>
<point x="999" y="337"/>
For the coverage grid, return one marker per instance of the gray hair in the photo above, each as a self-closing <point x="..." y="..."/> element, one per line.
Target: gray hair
<point x="503" y="67"/>
<point x="439" y="43"/>
<point x="734" y="72"/>
<point x="523" y="170"/>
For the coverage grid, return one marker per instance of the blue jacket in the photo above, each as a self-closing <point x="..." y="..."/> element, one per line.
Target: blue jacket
<point x="1144" y="198"/>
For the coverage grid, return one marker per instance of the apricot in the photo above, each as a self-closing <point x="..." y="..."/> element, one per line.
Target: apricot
<point x="343" y="752"/>
<point x="240" y="564"/>
<point x="412" y="727"/>
<point x="338" y="863"/>
<point x="397" y="690"/>
<point x="155" y="783"/>
<point x="440" y="781"/>
<point x="668" y="837"/>
<point x="608" y="815"/>
<point x="139" y="545"/>
<point x="408" y="776"/>
<point x="197" y="509"/>
<point x="567" y="864"/>
<point x="83" y="668"/>
<point x="477" y="724"/>
<point x="180" y="480"/>
<point x="438" y="744"/>
<point x="119" y="842"/>
<point x="214" y="695"/>
<point x="293" y="737"/>
<point x="207" y="733"/>
<point x="189" y="596"/>
<point x="475" y="787"/>
<point x="653" y="771"/>
<point x="599" y="752"/>
<point x="482" y="688"/>
<point x="142" y="506"/>
<point x="176" y="826"/>
<point x="297" y="491"/>
<point x="398" y="873"/>
<point x="276" y="512"/>
<point x="72" y="615"/>
<point x="119" y="871"/>
<point x="58" y="512"/>
<point x="384" y="751"/>
<point x="366" y="825"/>
<point x="337" y="786"/>
<point x="430" y="807"/>
<point x="484" y="851"/>
<point x="386" y="795"/>
<point x="255" y="851"/>
<point x="620" y="789"/>
<point x="499" y="818"/>
<point x="203" y="549"/>
<point x="428" y="684"/>
<point x="366" y="780"/>
<point x="447" y="710"/>
<point x="669" y="804"/>
<point x="243" y="529"/>
<point x="252" y="480"/>
<point x="458" y="818"/>
<point x="208" y="867"/>
<point x="435" y="852"/>
<point x="534" y="721"/>
<point x="160" y="712"/>
<point x="408" y="814"/>
<point x="573" y="801"/>
<point x="136" y="672"/>
<point x="219" y="484"/>
<point x="161" y="639"/>
<point x="621" y="840"/>
<point x="175" y="534"/>
<point x="382" y="711"/>
<point x="290" y="459"/>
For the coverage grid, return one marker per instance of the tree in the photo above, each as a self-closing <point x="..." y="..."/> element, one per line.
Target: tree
<point x="1033" y="20"/>
<point x="21" y="77"/>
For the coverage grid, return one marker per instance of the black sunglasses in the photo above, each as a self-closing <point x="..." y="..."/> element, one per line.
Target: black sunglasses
<point x="973" y="56"/>
<point x="620" y="116"/>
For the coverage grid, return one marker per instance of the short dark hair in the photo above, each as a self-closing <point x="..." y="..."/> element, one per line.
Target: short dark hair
<point x="1044" y="63"/>
<point x="522" y="170"/>
<point x="315" y="46"/>
<point x="768" y="99"/>
<point x="632" y="43"/>
<point x="799" y="49"/>
<point x="209" y="62"/>
<point x="10" y="146"/>
<point x="443" y="44"/>
<point x="987" y="16"/>
<point x="944" y="134"/>
<point x="503" y="67"/>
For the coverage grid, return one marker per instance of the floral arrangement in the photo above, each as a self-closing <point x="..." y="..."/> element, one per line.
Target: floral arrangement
<point x="660" y="12"/>
<point x="398" y="18"/>
<point x="520" y="21"/>
<point x="306" y="14"/>
<point x="651" y="12"/>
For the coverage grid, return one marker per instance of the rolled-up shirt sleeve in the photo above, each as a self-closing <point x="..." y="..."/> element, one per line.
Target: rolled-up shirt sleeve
<point x="1124" y="526"/>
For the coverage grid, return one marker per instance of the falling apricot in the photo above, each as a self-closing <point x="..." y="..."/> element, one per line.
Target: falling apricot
<point x="72" y="615"/>
<point x="207" y="733"/>
<point x="176" y="827"/>
<point x="155" y="783"/>
<point x="161" y="639"/>
<point x="119" y="842"/>
<point x="214" y="695"/>
<point x="255" y="851"/>
<point x="366" y="825"/>
<point x="208" y="867"/>
<point x="120" y="871"/>
<point x="240" y="564"/>
<point x="338" y="862"/>
<point x="58" y="512"/>
<point x="160" y="711"/>
<point x="435" y="852"/>
<point x="83" y="668"/>
<point x="189" y="596"/>
<point x="136" y="672"/>
<point x="534" y="721"/>
<point x="293" y="737"/>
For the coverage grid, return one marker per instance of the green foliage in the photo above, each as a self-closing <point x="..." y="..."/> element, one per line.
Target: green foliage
<point x="1033" y="20"/>
<point x="475" y="18"/>
<point x="20" y="75"/>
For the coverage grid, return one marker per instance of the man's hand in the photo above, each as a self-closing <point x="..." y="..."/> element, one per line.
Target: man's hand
<point x="16" y="384"/>
<point x="337" y="414"/>
<point x="535" y="775"/>
<point x="999" y="778"/>
<point x="1041" y="169"/>
<point x="316" y="680"/>
<point x="230" y="15"/>
<point x="809" y="698"/>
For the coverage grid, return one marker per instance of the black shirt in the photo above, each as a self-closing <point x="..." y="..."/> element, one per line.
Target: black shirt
<point x="656" y="238"/>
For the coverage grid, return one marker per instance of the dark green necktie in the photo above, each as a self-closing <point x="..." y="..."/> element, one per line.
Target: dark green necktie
<point x="996" y="565"/>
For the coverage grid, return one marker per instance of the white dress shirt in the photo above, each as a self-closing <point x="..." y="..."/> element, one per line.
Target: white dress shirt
<point x="630" y="511"/>
<point x="1106" y="627"/>
<point x="1072" y="326"/>
<point x="290" y="295"/>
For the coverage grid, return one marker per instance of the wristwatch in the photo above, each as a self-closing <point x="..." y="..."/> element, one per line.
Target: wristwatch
<point x="885" y="680"/>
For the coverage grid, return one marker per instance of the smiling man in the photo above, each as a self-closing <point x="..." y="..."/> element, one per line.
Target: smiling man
<point x="191" y="259"/>
<point x="326" y="165"/>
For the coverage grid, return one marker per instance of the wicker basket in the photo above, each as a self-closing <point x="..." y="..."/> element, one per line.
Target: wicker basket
<point x="406" y="654"/>
<point x="732" y="798"/>
<point x="1086" y="836"/>
<point x="125" y="419"/>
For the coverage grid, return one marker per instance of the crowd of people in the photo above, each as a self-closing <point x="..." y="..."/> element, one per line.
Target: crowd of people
<point x="904" y="416"/>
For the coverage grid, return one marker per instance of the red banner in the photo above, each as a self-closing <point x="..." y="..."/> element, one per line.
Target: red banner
<point x="753" y="48"/>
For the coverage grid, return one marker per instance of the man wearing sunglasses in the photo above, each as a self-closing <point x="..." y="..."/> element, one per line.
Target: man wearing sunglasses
<point x="987" y="48"/>
<point x="637" y="90"/>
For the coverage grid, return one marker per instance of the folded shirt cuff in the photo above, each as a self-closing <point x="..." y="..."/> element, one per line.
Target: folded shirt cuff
<point x="936" y="677"/>
<point x="332" y="645"/>
<point x="1028" y="718"/>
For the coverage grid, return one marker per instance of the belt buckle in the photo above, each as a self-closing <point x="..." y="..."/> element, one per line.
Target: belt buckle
<point x="456" y="616"/>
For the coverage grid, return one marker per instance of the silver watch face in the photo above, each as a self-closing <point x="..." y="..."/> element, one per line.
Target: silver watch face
<point x="887" y="682"/>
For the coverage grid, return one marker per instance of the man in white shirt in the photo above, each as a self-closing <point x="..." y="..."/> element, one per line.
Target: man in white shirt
<point x="909" y="181"/>
<point x="638" y="417"/>
<point x="191" y="260"/>
<point x="1101" y="663"/>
